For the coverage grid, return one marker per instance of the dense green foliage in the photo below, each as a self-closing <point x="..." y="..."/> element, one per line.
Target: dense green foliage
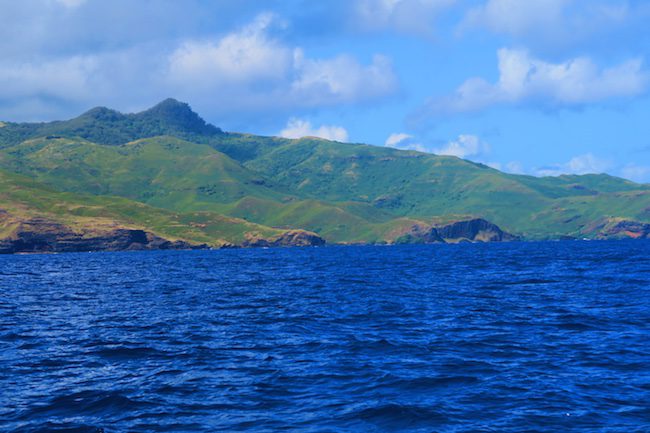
<point x="171" y="160"/>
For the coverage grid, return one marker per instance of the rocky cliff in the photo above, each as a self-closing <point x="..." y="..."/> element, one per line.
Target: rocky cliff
<point x="291" y="238"/>
<point x="618" y="228"/>
<point x="474" y="230"/>
<point x="41" y="236"/>
<point x="471" y="230"/>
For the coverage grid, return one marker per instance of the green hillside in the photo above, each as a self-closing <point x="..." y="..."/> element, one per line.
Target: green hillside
<point x="168" y="161"/>
<point x="24" y="201"/>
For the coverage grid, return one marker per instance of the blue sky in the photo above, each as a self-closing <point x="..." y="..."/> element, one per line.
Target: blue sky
<point x="540" y="87"/>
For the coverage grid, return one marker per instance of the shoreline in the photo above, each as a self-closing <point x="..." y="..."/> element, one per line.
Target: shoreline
<point x="327" y="245"/>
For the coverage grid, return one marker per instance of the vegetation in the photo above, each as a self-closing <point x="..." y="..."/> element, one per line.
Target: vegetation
<point x="166" y="170"/>
<point x="23" y="199"/>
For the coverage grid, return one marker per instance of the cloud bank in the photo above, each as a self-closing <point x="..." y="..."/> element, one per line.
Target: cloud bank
<point x="581" y="164"/>
<point x="244" y="72"/>
<point x="526" y="79"/>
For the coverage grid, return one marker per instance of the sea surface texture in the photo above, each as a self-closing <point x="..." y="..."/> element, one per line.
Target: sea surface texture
<point x="516" y="337"/>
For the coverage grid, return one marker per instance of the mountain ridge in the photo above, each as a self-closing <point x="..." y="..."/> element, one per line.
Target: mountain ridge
<point x="341" y="192"/>
<point x="103" y="125"/>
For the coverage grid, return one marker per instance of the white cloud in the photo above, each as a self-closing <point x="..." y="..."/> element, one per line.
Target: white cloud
<point x="464" y="146"/>
<point x="396" y="138"/>
<point x="581" y="164"/>
<point x="65" y="86"/>
<point x="523" y="78"/>
<point x="248" y="72"/>
<point x="243" y="56"/>
<point x="548" y="22"/>
<point x="404" y="141"/>
<point x="254" y="70"/>
<point x="65" y="78"/>
<point x="409" y="16"/>
<point x="297" y="128"/>
<point x="341" y="79"/>
<point x="515" y="16"/>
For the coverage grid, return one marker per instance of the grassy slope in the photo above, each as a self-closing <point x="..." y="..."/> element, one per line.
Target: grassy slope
<point x="422" y="186"/>
<point x="345" y="192"/>
<point x="22" y="199"/>
<point x="181" y="176"/>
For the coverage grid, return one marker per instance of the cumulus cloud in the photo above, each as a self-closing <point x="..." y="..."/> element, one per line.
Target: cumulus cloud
<point x="581" y="164"/>
<point x="341" y="79"/>
<point x="525" y="79"/>
<point x="61" y="87"/>
<point x="298" y="128"/>
<point x="259" y="71"/>
<point x="243" y="56"/>
<point x="248" y="71"/>
<point x="464" y="146"/>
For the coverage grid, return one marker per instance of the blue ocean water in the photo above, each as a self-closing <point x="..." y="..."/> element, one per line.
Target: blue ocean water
<point x="516" y="337"/>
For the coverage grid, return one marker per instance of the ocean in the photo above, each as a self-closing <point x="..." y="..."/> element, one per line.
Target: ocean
<point x="511" y="337"/>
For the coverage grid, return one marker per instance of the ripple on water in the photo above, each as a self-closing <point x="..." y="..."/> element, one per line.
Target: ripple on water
<point x="540" y="337"/>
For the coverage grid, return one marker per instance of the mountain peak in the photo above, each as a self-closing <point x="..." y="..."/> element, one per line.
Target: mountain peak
<point x="177" y="115"/>
<point x="106" y="126"/>
<point x="171" y="106"/>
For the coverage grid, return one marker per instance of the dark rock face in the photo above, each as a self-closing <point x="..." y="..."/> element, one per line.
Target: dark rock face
<point x="476" y="229"/>
<point x="40" y="236"/>
<point x="420" y="235"/>
<point x="291" y="238"/>
<point x="473" y="230"/>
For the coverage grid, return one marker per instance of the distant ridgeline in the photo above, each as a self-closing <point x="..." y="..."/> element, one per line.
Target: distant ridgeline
<point x="105" y="126"/>
<point x="164" y="178"/>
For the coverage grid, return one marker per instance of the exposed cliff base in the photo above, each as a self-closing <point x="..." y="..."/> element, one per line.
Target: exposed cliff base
<point x="43" y="236"/>
<point x="470" y="230"/>
<point x="619" y="228"/>
<point x="291" y="238"/>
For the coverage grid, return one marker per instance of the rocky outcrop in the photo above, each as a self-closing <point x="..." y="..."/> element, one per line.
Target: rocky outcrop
<point x="621" y="229"/>
<point x="290" y="238"/>
<point x="419" y="234"/>
<point x="471" y="230"/>
<point x="42" y="236"/>
<point x="474" y="230"/>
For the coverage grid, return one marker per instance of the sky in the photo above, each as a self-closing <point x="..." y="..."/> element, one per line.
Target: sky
<point x="539" y="87"/>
